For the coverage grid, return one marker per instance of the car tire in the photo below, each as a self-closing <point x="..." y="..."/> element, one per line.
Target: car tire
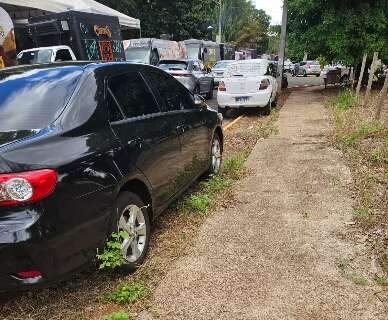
<point x="275" y="102"/>
<point x="304" y="73"/>
<point x="210" y="94"/>
<point x="132" y="216"/>
<point x="215" y="155"/>
<point x="267" y="108"/>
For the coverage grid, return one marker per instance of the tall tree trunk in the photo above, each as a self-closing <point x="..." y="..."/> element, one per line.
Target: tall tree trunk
<point x="382" y="96"/>
<point x="361" y="76"/>
<point x="371" y="75"/>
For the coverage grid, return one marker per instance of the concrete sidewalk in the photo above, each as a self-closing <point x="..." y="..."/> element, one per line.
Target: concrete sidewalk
<point x="275" y="253"/>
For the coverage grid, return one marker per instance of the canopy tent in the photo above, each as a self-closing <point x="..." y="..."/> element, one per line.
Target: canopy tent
<point x="91" y="6"/>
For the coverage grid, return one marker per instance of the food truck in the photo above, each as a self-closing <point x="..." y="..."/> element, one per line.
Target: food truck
<point x="151" y="51"/>
<point x="207" y="51"/>
<point x="7" y="40"/>
<point x="90" y="36"/>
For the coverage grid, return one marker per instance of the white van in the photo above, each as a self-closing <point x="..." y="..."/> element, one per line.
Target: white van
<point x="247" y="84"/>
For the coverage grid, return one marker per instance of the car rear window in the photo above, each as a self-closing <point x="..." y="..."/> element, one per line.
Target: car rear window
<point x="246" y="69"/>
<point x="174" y="65"/>
<point x="312" y="62"/>
<point x="33" y="98"/>
<point x="221" y="65"/>
<point x="36" y="56"/>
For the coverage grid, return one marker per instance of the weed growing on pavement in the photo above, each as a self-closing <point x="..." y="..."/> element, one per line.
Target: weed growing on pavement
<point x="382" y="281"/>
<point x="344" y="100"/>
<point x="199" y="202"/>
<point x="233" y="165"/>
<point x="361" y="214"/>
<point x="358" y="279"/>
<point x="268" y="128"/>
<point x="111" y="257"/>
<point x="117" y="316"/>
<point x="127" y="292"/>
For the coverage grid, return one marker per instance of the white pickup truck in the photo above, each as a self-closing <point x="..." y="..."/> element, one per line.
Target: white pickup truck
<point x="46" y="55"/>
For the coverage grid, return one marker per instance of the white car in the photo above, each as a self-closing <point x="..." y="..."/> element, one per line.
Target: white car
<point x="46" y="55"/>
<point x="248" y="84"/>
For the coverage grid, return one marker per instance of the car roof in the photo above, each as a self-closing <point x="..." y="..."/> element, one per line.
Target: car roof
<point x="82" y="65"/>
<point x="178" y="60"/>
<point x="45" y="48"/>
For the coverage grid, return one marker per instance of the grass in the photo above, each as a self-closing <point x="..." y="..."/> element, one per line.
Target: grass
<point x="382" y="281"/>
<point x="358" y="279"/>
<point x="364" y="142"/>
<point x="120" y="315"/>
<point x="127" y="292"/>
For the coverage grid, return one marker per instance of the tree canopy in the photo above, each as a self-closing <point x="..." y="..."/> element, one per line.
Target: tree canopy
<point x="242" y="23"/>
<point x="338" y="30"/>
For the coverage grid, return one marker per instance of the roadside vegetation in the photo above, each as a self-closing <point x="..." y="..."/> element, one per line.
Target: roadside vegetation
<point x="364" y="142"/>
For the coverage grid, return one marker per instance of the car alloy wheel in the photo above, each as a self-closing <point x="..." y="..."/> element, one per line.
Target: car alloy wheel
<point x="133" y="219"/>
<point x="216" y="155"/>
<point x="133" y="222"/>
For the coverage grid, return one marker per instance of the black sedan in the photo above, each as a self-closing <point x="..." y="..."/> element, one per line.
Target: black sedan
<point x="87" y="149"/>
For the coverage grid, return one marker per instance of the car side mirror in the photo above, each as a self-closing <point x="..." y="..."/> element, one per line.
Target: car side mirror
<point x="199" y="101"/>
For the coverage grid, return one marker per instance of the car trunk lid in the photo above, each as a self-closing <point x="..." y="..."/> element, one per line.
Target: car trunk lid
<point x="242" y="85"/>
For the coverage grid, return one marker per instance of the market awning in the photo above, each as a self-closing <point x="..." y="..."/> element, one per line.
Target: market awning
<point x="91" y="6"/>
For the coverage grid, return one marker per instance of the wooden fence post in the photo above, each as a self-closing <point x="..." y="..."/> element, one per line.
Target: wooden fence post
<point x="371" y="75"/>
<point x="382" y="96"/>
<point x="361" y="76"/>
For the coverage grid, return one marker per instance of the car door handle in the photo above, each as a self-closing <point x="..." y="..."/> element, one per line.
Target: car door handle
<point x="135" y="142"/>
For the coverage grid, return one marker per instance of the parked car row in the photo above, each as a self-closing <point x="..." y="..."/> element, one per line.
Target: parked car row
<point x="89" y="149"/>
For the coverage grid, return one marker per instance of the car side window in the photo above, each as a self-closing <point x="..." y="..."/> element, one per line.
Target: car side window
<point x="113" y="108"/>
<point x="63" y="55"/>
<point x="132" y="95"/>
<point x="169" y="89"/>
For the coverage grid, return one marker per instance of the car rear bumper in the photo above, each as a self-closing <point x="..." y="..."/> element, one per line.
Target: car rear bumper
<point x="30" y="243"/>
<point x="313" y="72"/>
<point x="227" y="100"/>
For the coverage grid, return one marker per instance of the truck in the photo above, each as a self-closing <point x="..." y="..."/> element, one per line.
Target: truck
<point x="45" y="55"/>
<point x="90" y="36"/>
<point x="151" y="50"/>
<point x="207" y="51"/>
<point x="7" y="40"/>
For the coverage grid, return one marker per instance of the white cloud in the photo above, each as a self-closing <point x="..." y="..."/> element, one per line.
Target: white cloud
<point x="273" y="8"/>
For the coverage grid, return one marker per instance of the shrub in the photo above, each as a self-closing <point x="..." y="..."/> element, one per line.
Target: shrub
<point x="111" y="257"/>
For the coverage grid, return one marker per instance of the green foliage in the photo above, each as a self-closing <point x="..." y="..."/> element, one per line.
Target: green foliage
<point x="361" y="214"/>
<point x="233" y="165"/>
<point x="117" y="316"/>
<point x="215" y="184"/>
<point x="338" y="30"/>
<point x="358" y="279"/>
<point x="382" y="281"/>
<point x="111" y="257"/>
<point x="344" y="100"/>
<point x="127" y="292"/>
<point x="199" y="202"/>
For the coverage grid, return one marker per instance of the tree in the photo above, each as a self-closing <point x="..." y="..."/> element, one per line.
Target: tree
<point x="338" y="30"/>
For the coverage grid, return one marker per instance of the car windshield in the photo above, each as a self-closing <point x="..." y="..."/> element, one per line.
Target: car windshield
<point x="137" y="54"/>
<point x="313" y="62"/>
<point x="173" y="65"/>
<point x="221" y="65"/>
<point x="33" y="98"/>
<point x="36" y="56"/>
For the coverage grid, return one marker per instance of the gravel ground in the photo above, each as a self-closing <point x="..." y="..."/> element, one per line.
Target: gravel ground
<point x="275" y="253"/>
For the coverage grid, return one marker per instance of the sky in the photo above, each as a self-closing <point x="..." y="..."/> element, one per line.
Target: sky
<point x="273" y="8"/>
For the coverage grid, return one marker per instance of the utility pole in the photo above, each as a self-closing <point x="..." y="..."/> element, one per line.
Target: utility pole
<point x="282" y="46"/>
<point x="219" y="39"/>
<point x="361" y="76"/>
<point x="371" y="75"/>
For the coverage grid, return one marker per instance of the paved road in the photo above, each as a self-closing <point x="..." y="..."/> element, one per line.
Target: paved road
<point x="275" y="253"/>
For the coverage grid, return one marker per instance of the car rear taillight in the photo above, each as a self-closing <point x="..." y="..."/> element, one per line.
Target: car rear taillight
<point x="26" y="187"/>
<point x="29" y="274"/>
<point x="264" y="84"/>
<point x="221" y="86"/>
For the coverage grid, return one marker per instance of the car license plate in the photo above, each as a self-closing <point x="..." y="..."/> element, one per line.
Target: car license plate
<point x="242" y="99"/>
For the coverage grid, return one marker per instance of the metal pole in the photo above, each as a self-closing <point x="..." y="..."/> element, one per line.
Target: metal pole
<point x="282" y="46"/>
<point x="220" y="24"/>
